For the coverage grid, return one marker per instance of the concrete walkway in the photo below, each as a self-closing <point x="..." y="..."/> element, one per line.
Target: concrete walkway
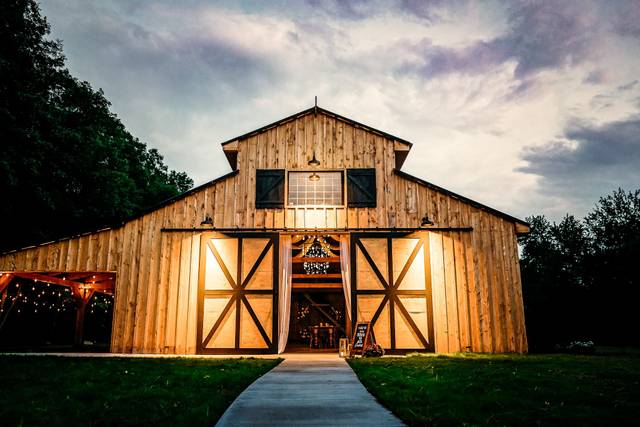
<point x="308" y="389"/>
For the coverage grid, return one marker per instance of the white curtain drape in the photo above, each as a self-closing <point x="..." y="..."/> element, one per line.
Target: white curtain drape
<point x="284" y="292"/>
<point x="345" y="266"/>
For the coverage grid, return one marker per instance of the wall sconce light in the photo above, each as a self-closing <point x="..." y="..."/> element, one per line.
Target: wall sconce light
<point x="207" y="221"/>
<point x="425" y="221"/>
<point x="314" y="161"/>
<point x="314" y="177"/>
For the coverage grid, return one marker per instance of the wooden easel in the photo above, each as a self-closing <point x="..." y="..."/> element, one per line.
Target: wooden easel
<point x="362" y="338"/>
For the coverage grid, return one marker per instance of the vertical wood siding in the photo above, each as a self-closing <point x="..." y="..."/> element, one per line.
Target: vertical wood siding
<point x="476" y="278"/>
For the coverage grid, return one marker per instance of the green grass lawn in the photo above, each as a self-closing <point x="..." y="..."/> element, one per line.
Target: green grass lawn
<point x="56" y="391"/>
<point x="509" y="390"/>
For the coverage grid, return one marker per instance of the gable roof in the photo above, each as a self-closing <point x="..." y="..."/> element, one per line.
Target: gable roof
<point x="230" y="151"/>
<point x="316" y="110"/>
<point x="400" y="155"/>
<point x="464" y="199"/>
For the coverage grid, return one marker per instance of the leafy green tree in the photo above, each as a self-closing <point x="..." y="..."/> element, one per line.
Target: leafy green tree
<point x="67" y="164"/>
<point x="614" y="227"/>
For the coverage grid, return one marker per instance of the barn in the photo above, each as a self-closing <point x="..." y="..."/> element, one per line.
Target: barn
<point x="315" y="228"/>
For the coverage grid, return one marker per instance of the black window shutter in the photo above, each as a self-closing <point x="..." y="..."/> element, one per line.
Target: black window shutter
<point x="361" y="188"/>
<point x="269" y="188"/>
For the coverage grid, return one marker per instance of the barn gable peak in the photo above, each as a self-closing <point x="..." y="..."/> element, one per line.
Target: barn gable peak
<point x="401" y="146"/>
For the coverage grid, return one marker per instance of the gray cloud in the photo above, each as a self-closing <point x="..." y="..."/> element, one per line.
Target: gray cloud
<point x="541" y="35"/>
<point x="175" y="67"/>
<point x="596" y="77"/>
<point x="589" y="161"/>
<point x="344" y="9"/>
<point x="429" y="10"/>
<point x="625" y="17"/>
<point x="628" y="86"/>
<point x="185" y="76"/>
<point x="162" y="79"/>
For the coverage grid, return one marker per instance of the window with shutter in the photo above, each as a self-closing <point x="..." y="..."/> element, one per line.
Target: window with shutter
<point x="361" y="188"/>
<point x="269" y="188"/>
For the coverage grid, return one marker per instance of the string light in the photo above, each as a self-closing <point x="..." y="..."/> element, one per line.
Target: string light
<point x="30" y="297"/>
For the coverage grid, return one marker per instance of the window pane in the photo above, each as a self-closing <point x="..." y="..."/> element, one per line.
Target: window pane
<point x="326" y="190"/>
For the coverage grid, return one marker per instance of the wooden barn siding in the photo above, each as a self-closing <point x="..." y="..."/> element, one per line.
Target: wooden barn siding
<point x="477" y="294"/>
<point x="476" y="278"/>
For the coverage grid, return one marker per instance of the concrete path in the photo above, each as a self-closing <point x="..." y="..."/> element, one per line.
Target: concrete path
<point x="308" y="389"/>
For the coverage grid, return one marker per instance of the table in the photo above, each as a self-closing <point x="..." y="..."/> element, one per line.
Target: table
<point x="316" y="331"/>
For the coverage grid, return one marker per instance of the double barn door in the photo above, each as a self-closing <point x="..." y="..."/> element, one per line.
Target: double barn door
<point x="238" y="294"/>
<point x="238" y="298"/>
<point x="391" y="288"/>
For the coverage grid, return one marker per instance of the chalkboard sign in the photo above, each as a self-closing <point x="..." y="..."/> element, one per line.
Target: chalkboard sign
<point x="361" y="338"/>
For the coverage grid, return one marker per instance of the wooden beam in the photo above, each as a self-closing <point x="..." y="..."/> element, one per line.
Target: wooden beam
<point x="61" y="282"/>
<point x="312" y="259"/>
<point x="522" y="228"/>
<point x="373" y="265"/>
<point x="317" y="276"/>
<point x="5" y="280"/>
<point x="324" y="313"/>
<point x="222" y="265"/>
<point x="316" y="286"/>
<point x="83" y="300"/>
<point x="216" y="325"/>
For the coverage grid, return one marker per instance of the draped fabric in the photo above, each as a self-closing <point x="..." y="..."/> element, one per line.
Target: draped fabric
<point x="345" y="267"/>
<point x="284" y="292"/>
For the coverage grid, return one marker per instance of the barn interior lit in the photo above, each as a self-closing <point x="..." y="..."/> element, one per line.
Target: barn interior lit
<point x="56" y="311"/>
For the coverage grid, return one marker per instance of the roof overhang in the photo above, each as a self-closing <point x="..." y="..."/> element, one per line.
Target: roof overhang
<point x="521" y="227"/>
<point x="230" y="150"/>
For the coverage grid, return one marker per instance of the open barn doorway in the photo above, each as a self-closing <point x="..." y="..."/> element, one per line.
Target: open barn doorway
<point x="56" y="311"/>
<point x="319" y="308"/>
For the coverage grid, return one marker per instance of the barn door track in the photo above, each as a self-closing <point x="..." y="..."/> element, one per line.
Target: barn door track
<point x="308" y="389"/>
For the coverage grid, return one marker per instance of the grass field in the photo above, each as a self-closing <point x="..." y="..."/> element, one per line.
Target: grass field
<point x="507" y="390"/>
<point x="56" y="391"/>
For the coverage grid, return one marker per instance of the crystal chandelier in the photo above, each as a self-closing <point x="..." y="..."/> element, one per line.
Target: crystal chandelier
<point x="316" y="250"/>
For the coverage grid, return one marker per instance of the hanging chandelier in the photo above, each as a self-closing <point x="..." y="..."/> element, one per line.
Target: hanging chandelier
<point x="316" y="250"/>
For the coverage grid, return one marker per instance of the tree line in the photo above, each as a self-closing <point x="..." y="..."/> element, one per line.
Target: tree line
<point x="581" y="278"/>
<point x="67" y="163"/>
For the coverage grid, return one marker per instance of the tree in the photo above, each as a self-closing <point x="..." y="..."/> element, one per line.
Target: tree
<point x="614" y="227"/>
<point x="67" y="164"/>
<point x="580" y="279"/>
<point x="553" y="284"/>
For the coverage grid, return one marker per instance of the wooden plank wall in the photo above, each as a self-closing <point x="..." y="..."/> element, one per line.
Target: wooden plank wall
<point x="477" y="295"/>
<point x="156" y="280"/>
<point x="156" y="271"/>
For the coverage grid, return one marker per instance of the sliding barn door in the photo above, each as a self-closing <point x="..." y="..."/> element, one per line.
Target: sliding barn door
<point x="392" y="289"/>
<point x="238" y="294"/>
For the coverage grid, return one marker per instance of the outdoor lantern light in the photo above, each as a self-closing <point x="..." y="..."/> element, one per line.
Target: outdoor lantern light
<point x="426" y="221"/>
<point x="343" y="347"/>
<point x="207" y="221"/>
<point x="314" y="161"/>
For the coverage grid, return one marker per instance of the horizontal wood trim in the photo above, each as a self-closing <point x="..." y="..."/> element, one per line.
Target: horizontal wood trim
<point x="313" y="230"/>
<point x="317" y="276"/>
<point x="223" y="292"/>
<point x="316" y="285"/>
<point x="299" y="260"/>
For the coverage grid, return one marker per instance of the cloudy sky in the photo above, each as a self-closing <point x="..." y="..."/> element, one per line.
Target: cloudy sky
<point x="530" y="107"/>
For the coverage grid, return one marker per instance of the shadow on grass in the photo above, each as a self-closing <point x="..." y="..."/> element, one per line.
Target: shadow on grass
<point x="481" y="389"/>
